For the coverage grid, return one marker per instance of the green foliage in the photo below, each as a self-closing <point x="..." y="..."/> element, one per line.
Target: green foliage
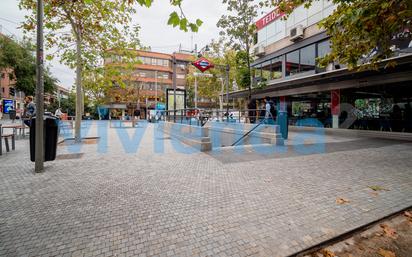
<point x="66" y="105"/>
<point x="239" y="28"/>
<point x="242" y="69"/>
<point x="221" y="55"/>
<point x="361" y="29"/>
<point x="18" y="56"/>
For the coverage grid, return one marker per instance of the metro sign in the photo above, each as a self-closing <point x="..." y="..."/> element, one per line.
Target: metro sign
<point x="203" y="64"/>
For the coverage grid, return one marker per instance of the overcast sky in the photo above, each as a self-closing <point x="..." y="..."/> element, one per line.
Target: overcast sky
<point x="155" y="32"/>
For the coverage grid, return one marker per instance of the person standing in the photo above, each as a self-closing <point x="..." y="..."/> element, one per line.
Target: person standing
<point x="58" y="113"/>
<point x="252" y="110"/>
<point x="30" y="110"/>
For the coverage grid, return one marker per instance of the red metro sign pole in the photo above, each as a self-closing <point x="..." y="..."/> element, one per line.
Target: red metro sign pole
<point x="203" y="65"/>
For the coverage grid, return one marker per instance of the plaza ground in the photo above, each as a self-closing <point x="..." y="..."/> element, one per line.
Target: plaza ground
<point x="222" y="203"/>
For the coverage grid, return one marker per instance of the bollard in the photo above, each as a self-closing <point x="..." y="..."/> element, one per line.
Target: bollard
<point x="282" y="121"/>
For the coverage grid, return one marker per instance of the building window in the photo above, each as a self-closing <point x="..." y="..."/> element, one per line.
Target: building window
<point x="292" y="63"/>
<point x="323" y="48"/>
<point x="265" y="71"/>
<point x="276" y="68"/>
<point x="308" y="58"/>
<point x="301" y="60"/>
<point x="181" y="66"/>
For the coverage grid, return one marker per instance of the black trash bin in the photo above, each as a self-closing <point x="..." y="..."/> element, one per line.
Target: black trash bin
<point x="50" y="136"/>
<point x="12" y="114"/>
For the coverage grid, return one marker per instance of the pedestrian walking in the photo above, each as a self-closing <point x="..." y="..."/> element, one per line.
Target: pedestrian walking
<point x="270" y="111"/>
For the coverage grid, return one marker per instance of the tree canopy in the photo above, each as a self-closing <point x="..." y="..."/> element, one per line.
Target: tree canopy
<point x="19" y="58"/>
<point x="238" y="27"/>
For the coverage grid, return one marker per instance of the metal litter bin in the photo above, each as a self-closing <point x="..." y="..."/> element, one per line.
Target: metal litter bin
<point x="50" y="136"/>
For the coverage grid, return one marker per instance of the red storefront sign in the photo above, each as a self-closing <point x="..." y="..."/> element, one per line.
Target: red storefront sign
<point x="268" y="18"/>
<point x="203" y="64"/>
<point x="335" y="102"/>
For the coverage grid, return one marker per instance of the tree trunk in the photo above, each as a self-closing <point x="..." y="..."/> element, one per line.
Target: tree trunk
<point x="221" y="100"/>
<point x="250" y="71"/>
<point x="79" y="98"/>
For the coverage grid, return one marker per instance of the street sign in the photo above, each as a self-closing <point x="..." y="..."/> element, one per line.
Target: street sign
<point x="203" y="64"/>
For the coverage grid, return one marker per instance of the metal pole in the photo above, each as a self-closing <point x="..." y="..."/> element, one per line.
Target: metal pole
<point x="174" y="88"/>
<point x="195" y="92"/>
<point x="227" y="91"/>
<point x="39" y="155"/>
<point x="156" y="90"/>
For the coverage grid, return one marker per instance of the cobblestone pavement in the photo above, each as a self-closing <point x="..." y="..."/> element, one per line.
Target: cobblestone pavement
<point x="175" y="204"/>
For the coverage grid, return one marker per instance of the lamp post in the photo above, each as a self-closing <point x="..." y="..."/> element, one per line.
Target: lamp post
<point x="39" y="149"/>
<point x="227" y="91"/>
<point x="174" y="88"/>
<point x="156" y="90"/>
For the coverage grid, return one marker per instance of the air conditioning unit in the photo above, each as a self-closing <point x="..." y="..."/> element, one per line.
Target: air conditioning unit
<point x="296" y="33"/>
<point x="259" y="50"/>
<point x="333" y="66"/>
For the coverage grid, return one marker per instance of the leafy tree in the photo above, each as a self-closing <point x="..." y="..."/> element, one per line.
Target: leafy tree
<point x="243" y="74"/>
<point x="94" y="26"/>
<point x="213" y="87"/>
<point x="239" y="27"/>
<point x="361" y="29"/>
<point x="18" y="57"/>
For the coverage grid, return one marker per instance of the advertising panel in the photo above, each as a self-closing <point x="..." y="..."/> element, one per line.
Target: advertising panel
<point x="180" y="99"/>
<point x="8" y="105"/>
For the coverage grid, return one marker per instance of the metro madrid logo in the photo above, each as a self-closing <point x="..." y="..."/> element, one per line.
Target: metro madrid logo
<point x="203" y="64"/>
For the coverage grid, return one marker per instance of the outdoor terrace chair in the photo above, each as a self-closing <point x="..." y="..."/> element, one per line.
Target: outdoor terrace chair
<point x="6" y="138"/>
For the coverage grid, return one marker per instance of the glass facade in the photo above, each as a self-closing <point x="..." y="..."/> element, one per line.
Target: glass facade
<point x="292" y="63"/>
<point x="308" y="58"/>
<point x="298" y="61"/>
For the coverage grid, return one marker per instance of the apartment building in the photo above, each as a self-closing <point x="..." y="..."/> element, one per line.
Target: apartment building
<point x="152" y="76"/>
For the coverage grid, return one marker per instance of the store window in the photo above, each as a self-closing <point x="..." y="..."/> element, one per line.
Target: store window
<point x="323" y="48"/>
<point x="276" y="68"/>
<point x="292" y="63"/>
<point x="308" y="58"/>
<point x="265" y="70"/>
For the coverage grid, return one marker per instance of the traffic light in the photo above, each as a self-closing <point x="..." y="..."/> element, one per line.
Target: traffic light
<point x="12" y="91"/>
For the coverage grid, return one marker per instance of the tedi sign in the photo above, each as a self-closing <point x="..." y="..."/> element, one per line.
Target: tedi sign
<point x="269" y="18"/>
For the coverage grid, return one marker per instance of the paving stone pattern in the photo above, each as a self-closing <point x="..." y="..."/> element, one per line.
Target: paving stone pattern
<point x="175" y="204"/>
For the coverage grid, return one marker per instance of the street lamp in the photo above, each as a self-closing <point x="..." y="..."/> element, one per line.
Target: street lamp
<point x="156" y="90"/>
<point x="196" y="74"/>
<point x="204" y="49"/>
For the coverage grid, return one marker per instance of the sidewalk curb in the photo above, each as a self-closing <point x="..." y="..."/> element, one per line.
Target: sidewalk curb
<point x="344" y="235"/>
